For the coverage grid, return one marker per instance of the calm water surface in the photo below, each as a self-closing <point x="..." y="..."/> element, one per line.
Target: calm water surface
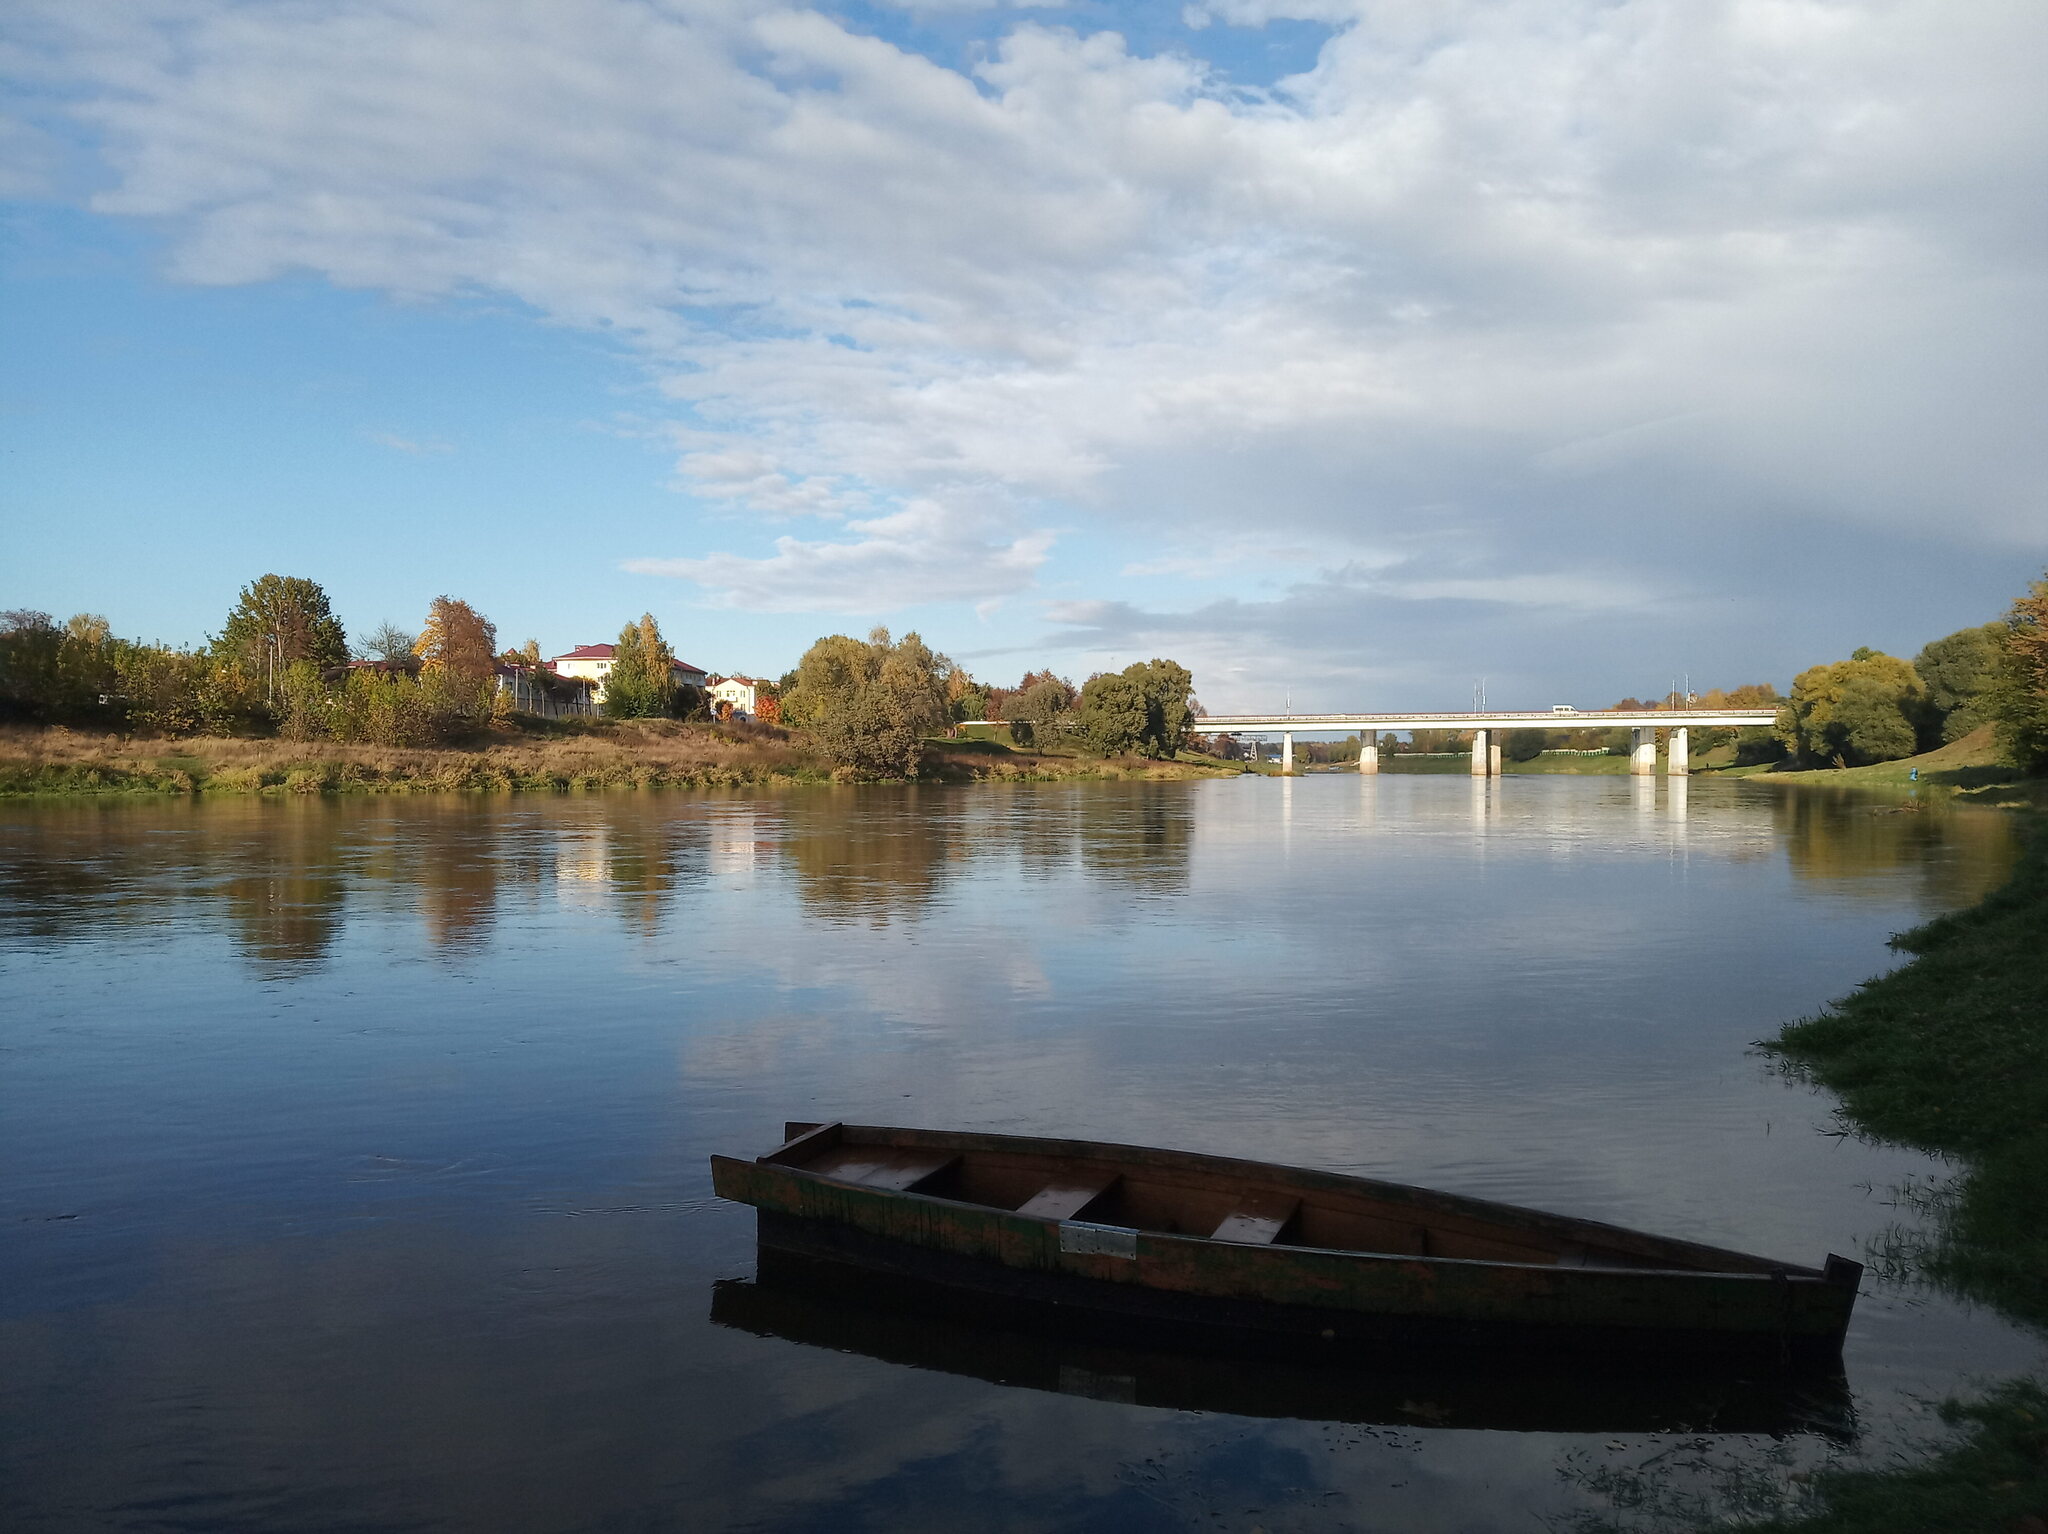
<point x="354" y="1151"/>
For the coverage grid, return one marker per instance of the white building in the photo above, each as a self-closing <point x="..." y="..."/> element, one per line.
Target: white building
<point x="593" y="662"/>
<point x="742" y="692"/>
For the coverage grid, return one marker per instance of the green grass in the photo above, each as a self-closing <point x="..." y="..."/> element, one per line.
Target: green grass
<point x="1949" y="1053"/>
<point x="1968" y="770"/>
<point x="1993" y="1482"/>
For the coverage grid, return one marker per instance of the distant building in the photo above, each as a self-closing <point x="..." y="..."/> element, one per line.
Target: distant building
<point x="742" y="692"/>
<point x="593" y="662"/>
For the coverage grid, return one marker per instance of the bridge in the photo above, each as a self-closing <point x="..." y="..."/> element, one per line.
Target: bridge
<point x="1642" y="725"/>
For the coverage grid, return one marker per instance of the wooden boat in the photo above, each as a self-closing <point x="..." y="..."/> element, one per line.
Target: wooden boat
<point x="1208" y="1245"/>
<point x="910" y="1323"/>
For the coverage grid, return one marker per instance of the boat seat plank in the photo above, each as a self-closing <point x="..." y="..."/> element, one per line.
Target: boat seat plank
<point x="1259" y="1217"/>
<point x="1066" y="1196"/>
<point x="883" y="1166"/>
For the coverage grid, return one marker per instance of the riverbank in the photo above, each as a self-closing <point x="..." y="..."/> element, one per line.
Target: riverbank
<point x="537" y="757"/>
<point x="1949" y="1054"/>
<point x="1968" y="771"/>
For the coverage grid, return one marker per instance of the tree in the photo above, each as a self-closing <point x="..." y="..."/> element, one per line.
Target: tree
<point x="1853" y="712"/>
<point x="280" y="619"/>
<point x="31" y="651"/>
<point x="870" y="705"/>
<point x="1037" y="708"/>
<point x="642" y="681"/>
<point x="59" y="674"/>
<point x="389" y="643"/>
<point x="457" y="640"/>
<point x="1959" y="672"/>
<point x="1148" y="707"/>
<point x="2018" y="699"/>
<point x="965" y="697"/>
<point x="1524" y="745"/>
<point x="88" y="629"/>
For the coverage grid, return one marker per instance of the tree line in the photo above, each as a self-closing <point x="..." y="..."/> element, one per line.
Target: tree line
<point x="872" y="704"/>
<point x="1875" y="707"/>
<point x="282" y="664"/>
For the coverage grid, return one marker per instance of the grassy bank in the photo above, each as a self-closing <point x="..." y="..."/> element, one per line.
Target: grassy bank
<point x="1949" y="1053"/>
<point x="1967" y="770"/>
<point x="536" y="757"/>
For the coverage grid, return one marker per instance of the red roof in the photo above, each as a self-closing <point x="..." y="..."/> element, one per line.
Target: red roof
<point x="605" y="652"/>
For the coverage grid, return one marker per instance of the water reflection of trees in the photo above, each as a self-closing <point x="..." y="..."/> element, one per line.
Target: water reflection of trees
<point x="872" y="856"/>
<point x="1956" y="856"/>
<point x="1139" y="839"/>
<point x="883" y="855"/>
<point x="277" y="876"/>
<point x="649" y="857"/>
<point x="84" y="873"/>
<point x="282" y="884"/>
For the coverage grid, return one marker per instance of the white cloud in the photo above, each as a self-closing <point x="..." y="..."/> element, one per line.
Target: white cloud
<point x="1572" y="283"/>
<point x="926" y="552"/>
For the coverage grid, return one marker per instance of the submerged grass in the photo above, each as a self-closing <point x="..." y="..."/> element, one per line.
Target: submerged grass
<point x="1949" y="1053"/>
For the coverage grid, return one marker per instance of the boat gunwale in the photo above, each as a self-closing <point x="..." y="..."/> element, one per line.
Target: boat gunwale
<point x="1766" y="1269"/>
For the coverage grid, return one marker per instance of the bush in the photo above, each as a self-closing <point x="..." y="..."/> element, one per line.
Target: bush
<point x="235" y="780"/>
<point x="385" y="708"/>
<point x="870" y="705"/>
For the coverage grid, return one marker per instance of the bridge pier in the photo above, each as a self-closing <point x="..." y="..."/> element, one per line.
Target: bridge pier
<point x="1286" y="753"/>
<point x="1677" y="758"/>
<point x="1482" y="754"/>
<point x="1369" y="757"/>
<point x="1642" y="756"/>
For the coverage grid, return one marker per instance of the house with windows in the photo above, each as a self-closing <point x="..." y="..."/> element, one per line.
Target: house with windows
<point x="593" y="662"/>
<point x="747" y="696"/>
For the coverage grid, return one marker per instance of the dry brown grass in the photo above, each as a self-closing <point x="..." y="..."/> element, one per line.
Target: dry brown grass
<point x="644" y="753"/>
<point x="638" y="753"/>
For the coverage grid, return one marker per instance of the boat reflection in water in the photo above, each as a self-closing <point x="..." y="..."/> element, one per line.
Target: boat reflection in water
<point x="929" y="1326"/>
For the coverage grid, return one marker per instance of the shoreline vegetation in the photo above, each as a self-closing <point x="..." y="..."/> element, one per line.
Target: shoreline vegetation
<point x="552" y="756"/>
<point x="1949" y="1054"/>
<point x="530" y="755"/>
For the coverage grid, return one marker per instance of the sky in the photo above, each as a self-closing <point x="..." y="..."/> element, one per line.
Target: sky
<point x="1347" y="351"/>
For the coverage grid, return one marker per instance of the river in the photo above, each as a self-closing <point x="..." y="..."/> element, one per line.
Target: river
<point x="355" y="1149"/>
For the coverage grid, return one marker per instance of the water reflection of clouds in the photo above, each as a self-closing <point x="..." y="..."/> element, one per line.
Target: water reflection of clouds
<point x="1560" y="1022"/>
